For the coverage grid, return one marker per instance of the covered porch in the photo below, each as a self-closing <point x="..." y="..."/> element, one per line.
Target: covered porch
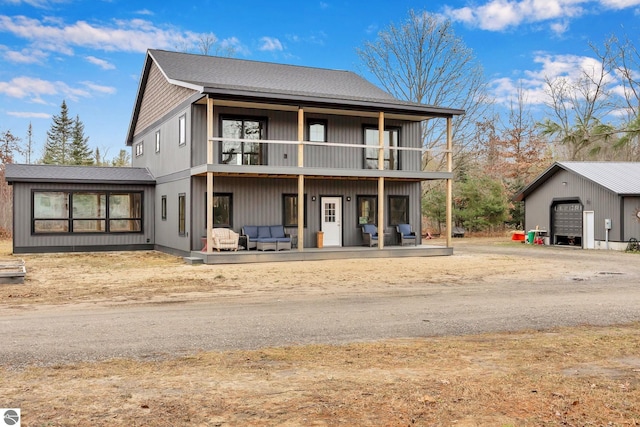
<point x="319" y="254"/>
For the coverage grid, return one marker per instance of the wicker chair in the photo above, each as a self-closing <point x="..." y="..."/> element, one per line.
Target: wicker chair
<point x="406" y="235"/>
<point x="369" y="235"/>
<point x="225" y="238"/>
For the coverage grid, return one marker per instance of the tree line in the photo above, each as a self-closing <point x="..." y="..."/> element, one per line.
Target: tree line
<point x="66" y="144"/>
<point x="497" y="153"/>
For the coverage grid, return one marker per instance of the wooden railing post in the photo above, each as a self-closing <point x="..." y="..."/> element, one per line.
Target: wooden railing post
<point x="301" y="179"/>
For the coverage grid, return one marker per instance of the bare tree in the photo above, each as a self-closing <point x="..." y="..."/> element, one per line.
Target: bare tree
<point x="578" y="108"/>
<point x="422" y="60"/>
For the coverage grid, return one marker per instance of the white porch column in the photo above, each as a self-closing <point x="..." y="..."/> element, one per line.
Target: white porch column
<point x="449" y="181"/>
<point x="209" y="175"/>
<point x="300" y="179"/>
<point x="381" y="180"/>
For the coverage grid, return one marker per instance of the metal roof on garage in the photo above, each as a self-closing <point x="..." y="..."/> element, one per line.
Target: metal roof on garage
<point x="622" y="178"/>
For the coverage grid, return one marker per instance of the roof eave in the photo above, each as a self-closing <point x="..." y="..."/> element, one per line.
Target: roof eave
<point x="316" y="101"/>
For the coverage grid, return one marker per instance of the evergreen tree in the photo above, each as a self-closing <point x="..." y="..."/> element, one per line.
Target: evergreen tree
<point x="81" y="154"/>
<point x="123" y="159"/>
<point x="56" y="148"/>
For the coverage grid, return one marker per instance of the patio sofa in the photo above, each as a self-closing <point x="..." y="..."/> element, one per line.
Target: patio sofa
<point x="267" y="237"/>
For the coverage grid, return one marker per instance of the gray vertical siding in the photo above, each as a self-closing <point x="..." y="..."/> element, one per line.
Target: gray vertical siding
<point x="167" y="235"/>
<point x="172" y="157"/>
<point x="631" y="221"/>
<point x="24" y="240"/>
<point x="283" y="126"/>
<point x="259" y="202"/>
<point x="604" y="203"/>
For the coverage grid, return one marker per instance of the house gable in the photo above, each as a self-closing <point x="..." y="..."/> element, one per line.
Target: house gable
<point x="158" y="96"/>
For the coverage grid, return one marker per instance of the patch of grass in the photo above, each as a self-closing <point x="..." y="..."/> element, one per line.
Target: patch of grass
<point x="573" y="376"/>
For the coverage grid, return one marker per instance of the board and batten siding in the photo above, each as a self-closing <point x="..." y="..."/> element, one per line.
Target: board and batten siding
<point x="172" y="156"/>
<point x="593" y="197"/>
<point x="283" y="125"/>
<point x="631" y="220"/>
<point x="24" y="240"/>
<point x="259" y="201"/>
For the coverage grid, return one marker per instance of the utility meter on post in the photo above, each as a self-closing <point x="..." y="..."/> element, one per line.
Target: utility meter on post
<point x="607" y="224"/>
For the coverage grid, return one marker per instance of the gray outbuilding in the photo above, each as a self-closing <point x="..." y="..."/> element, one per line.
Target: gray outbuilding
<point x="595" y="205"/>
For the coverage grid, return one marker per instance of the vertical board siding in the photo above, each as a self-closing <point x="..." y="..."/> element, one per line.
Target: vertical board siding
<point x="283" y="126"/>
<point x="259" y="202"/>
<point x="22" y="223"/>
<point x="632" y="222"/>
<point x="603" y="202"/>
<point x="167" y="230"/>
<point x="172" y="157"/>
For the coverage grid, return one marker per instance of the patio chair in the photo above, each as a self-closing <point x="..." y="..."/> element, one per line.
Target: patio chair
<point x="369" y="235"/>
<point x="225" y="238"/>
<point x="406" y="235"/>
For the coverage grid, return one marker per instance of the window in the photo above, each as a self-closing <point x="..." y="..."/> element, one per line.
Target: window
<point x="398" y="210"/>
<point x="367" y="210"/>
<point x="157" y="141"/>
<point x="139" y="147"/>
<point x="222" y="209"/>
<point x="86" y="212"/>
<point x="182" y="130"/>
<point x="391" y="139"/>
<point x="242" y="152"/>
<point x="290" y="210"/>
<point x="317" y="130"/>
<point x="182" y="214"/>
<point x="163" y="207"/>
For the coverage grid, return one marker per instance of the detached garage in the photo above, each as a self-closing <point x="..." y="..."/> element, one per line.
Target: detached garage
<point x="594" y="205"/>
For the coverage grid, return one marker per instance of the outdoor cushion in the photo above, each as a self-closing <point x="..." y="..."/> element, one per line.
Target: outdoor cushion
<point x="251" y="231"/>
<point x="405" y="229"/>
<point x="267" y="239"/>
<point x="370" y="229"/>
<point x="264" y="231"/>
<point x="277" y="231"/>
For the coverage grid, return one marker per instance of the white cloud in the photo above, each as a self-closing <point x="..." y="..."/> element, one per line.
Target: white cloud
<point x="324" y="5"/>
<point x="619" y="4"/>
<point x="42" y="4"/>
<point x="105" y="65"/>
<point x="144" y="12"/>
<point x="24" y="56"/>
<point x="571" y="68"/>
<point x="136" y="35"/>
<point x="34" y="88"/>
<point x="270" y="44"/>
<point x="499" y="15"/>
<point x="29" y="115"/>
<point x="99" y="88"/>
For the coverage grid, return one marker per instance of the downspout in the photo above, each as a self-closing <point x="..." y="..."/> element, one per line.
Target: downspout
<point x="381" y="180"/>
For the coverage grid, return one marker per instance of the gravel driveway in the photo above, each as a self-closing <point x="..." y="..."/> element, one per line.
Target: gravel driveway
<point x="596" y="288"/>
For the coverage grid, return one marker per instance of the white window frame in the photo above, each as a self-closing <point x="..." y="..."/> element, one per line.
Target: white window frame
<point x="157" y="141"/>
<point x="182" y="129"/>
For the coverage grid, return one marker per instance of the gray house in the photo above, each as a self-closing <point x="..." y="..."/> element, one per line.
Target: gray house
<point x="234" y="143"/>
<point x="588" y="204"/>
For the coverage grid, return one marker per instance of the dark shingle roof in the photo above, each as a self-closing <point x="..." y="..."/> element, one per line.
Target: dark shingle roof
<point x="239" y="79"/>
<point x="621" y="178"/>
<point x="77" y="174"/>
<point x="253" y="76"/>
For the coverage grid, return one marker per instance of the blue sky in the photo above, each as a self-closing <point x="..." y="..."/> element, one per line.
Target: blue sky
<point x="91" y="52"/>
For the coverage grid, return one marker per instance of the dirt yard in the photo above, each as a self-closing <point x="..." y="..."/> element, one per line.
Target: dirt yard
<point x="577" y="377"/>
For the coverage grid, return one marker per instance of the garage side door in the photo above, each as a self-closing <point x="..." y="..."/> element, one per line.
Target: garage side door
<point x="567" y="223"/>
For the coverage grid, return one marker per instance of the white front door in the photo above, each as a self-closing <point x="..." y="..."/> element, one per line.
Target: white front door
<point x="331" y="222"/>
